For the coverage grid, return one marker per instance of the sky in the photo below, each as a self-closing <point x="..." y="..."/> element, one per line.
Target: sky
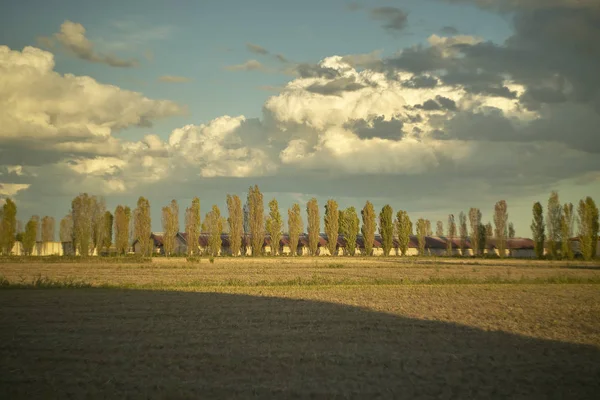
<point x="430" y="106"/>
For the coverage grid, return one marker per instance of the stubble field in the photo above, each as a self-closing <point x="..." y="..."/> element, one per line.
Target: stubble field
<point x="324" y="328"/>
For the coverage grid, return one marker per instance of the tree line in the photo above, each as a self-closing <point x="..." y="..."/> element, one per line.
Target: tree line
<point x="552" y="236"/>
<point x="91" y="228"/>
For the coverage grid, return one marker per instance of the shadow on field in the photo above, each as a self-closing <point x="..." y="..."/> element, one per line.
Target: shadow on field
<point x="118" y="343"/>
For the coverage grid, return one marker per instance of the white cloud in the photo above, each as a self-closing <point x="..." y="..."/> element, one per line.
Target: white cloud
<point x="11" y="189"/>
<point x="250" y="65"/>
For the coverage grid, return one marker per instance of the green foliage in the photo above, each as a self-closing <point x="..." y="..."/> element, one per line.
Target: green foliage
<point x="30" y="235"/>
<point x="313" y="226"/>
<point x="482" y="242"/>
<point x="294" y="227"/>
<point x="566" y="229"/>
<point x="274" y="226"/>
<point x="462" y="231"/>
<point x="108" y="230"/>
<point x="404" y="230"/>
<point x="588" y="227"/>
<point x="143" y="226"/>
<point x="421" y="233"/>
<point x="500" y="223"/>
<point x="386" y="229"/>
<point x="235" y="221"/>
<point x="538" y="229"/>
<point x="256" y="220"/>
<point x="349" y="227"/>
<point x="121" y="227"/>
<point x="475" y="222"/>
<point x="192" y="226"/>
<point x="451" y="234"/>
<point x="553" y="225"/>
<point x="368" y="227"/>
<point x="8" y="227"/>
<point x="332" y="225"/>
<point x="214" y="226"/>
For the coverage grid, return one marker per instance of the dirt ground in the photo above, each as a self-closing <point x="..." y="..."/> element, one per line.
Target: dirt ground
<point x="510" y="340"/>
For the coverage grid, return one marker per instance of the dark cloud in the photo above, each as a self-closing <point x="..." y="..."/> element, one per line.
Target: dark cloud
<point x="449" y="30"/>
<point x="305" y="70"/>
<point x="439" y="103"/>
<point x="281" y="58"/>
<point x="256" y="49"/>
<point x="394" y="18"/>
<point x="336" y="87"/>
<point x="378" y="127"/>
<point x="421" y="81"/>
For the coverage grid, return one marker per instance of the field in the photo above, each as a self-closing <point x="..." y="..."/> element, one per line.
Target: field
<point x="319" y="328"/>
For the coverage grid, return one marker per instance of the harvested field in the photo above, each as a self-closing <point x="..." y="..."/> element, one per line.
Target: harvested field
<point x="199" y="334"/>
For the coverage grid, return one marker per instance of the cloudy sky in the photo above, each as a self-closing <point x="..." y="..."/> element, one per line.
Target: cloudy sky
<point x="432" y="106"/>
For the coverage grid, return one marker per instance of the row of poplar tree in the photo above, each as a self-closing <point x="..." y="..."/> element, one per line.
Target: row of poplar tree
<point x="552" y="236"/>
<point x="91" y="228"/>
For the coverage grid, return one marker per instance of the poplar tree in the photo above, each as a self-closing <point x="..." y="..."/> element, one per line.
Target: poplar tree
<point x="246" y="225"/>
<point x="47" y="229"/>
<point x="82" y="210"/>
<point x="439" y="229"/>
<point x="538" y="230"/>
<point x="428" y="230"/>
<point x="313" y="225"/>
<point x="483" y="237"/>
<point x="143" y="226"/>
<point x="170" y="223"/>
<point x="421" y="233"/>
<point x="451" y="233"/>
<point x="368" y="227"/>
<point x="192" y="226"/>
<point x="30" y="235"/>
<point x="553" y="222"/>
<point x="489" y="231"/>
<point x="349" y="227"/>
<point x="566" y="228"/>
<point x="475" y="222"/>
<point x="98" y="206"/>
<point x="386" y="229"/>
<point x="332" y="225"/>
<point x="236" y="222"/>
<point x="500" y="221"/>
<point x="274" y="226"/>
<point x="256" y="219"/>
<point x="108" y="230"/>
<point x="66" y="232"/>
<point x="588" y="227"/>
<point x="462" y="231"/>
<point x="214" y="226"/>
<point x="121" y="227"/>
<point x="511" y="230"/>
<point x="294" y="227"/>
<point x="9" y="226"/>
<point x="404" y="230"/>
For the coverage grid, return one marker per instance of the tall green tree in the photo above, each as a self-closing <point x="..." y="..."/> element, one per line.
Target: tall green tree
<point x="47" y="229"/>
<point x="213" y="224"/>
<point x="462" y="231"/>
<point x="349" y="227"/>
<point x="368" y="227"/>
<point x="170" y="223"/>
<point x="313" y="225"/>
<point x="439" y="229"/>
<point x="9" y="226"/>
<point x="82" y="211"/>
<point x="475" y="222"/>
<point x="256" y="219"/>
<point x="30" y="235"/>
<point x="451" y="234"/>
<point x="483" y="231"/>
<point x="192" y="227"/>
<point x="553" y="222"/>
<point x="588" y="227"/>
<point x="98" y="206"/>
<point x="500" y="222"/>
<point x="274" y="226"/>
<point x="66" y="232"/>
<point x="566" y="229"/>
<point x="121" y="227"/>
<point x="538" y="230"/>
<point x="236" y="223"/>
<point x="511" y="231"/>
<point x="332" y="225"/>
<point x="386" y="229"/>
<point x="421" y="234"/>
<point x="108" y="230"/>
<point x="294" y="227"/>
<point x="404" y="230"/>
<point x="143" y="226"/>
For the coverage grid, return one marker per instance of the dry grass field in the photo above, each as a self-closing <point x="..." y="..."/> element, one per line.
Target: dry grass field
<point x="318" y="328"/>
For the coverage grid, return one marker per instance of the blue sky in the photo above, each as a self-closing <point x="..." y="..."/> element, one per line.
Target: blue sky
<point x="494" y="114"/>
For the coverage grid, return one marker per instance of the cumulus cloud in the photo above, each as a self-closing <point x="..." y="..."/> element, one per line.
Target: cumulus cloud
<point x="173" y="79"/>
<point x="11" y="189"/>
<point x="72" y="38"/>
